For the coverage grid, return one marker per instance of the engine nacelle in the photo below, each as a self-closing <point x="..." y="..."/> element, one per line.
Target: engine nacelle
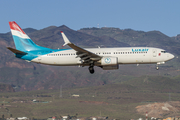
<point x="109" y="63"/>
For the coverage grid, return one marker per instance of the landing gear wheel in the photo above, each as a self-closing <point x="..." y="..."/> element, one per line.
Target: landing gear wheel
<point x="91" y="69"/>
<point x="157" y="68"/>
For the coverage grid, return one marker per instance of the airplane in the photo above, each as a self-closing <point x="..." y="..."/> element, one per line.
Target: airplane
<point x="106" y="58"/>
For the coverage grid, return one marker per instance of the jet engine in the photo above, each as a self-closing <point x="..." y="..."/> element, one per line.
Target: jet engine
<point x="109" y="63"/>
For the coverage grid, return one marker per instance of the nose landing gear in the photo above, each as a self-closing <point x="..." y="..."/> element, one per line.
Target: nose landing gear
<point x="159" y="63"/>
<point x="157" y="68"/>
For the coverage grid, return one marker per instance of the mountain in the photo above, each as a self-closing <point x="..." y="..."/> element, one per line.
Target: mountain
<point x="47" y="36"/>
<point x="32" y="76"/>
<point x="138" y="38"/>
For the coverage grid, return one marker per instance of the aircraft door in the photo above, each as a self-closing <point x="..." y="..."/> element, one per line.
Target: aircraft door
<point x="154" y="52"/>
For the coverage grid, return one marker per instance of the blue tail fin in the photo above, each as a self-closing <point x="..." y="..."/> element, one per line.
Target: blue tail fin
<point x="22" y="40"/>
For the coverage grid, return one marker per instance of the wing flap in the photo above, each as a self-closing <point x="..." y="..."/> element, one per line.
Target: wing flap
<point x="81" y="50"/>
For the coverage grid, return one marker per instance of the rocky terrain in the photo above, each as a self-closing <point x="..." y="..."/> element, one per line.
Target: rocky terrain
<point x="6" y="88"/>
<point x="160" y="110"/>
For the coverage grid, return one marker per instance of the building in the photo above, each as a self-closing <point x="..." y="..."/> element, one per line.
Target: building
<point x="74" y="95"/>
<point x="23" y="118"/>
<point x="11" y="118"/>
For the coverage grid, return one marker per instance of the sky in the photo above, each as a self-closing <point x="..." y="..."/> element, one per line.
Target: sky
<point x="141" y="15"/>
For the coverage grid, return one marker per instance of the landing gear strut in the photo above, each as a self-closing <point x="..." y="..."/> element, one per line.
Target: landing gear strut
<point x="91" y="68"/>
<point x="157" y="68"/>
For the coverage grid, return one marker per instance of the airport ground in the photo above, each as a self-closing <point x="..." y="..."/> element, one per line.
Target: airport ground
<point x="115" y="101"/>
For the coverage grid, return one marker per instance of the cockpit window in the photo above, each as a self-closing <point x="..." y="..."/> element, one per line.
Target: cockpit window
<point x="163" y="51"/>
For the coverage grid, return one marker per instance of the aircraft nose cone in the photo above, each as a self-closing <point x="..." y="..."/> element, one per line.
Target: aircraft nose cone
<point x="171" y="56"/>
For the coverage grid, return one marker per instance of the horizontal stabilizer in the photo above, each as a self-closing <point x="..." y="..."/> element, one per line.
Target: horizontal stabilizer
<point x="16" y="51"/>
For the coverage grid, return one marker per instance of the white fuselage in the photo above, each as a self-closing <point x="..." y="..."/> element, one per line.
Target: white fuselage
<point x="125" y="55"/>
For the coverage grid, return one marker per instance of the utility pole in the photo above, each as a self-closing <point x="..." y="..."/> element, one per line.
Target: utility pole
<point x="60" y="92"/>
<point x="169" y="97"/>
<point x="146" y="116"/>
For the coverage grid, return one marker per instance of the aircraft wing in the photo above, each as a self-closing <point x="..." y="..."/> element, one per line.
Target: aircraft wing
<point x="85" y="55"/>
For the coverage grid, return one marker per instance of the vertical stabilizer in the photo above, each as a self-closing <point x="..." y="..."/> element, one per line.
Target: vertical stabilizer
<point x="21" y="39"/>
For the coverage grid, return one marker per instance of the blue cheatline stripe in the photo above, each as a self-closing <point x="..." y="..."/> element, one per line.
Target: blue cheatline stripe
<point x="33" y="50"/>
<point x="36" y="53"/>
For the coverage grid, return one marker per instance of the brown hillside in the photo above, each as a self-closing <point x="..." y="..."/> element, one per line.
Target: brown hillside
<point x="160" y="110"/>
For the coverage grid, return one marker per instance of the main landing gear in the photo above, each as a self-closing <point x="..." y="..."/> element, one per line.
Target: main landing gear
<point x="91" y="68"/>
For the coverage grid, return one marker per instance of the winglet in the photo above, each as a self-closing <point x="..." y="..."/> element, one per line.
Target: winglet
<point x="65" y="39"/>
